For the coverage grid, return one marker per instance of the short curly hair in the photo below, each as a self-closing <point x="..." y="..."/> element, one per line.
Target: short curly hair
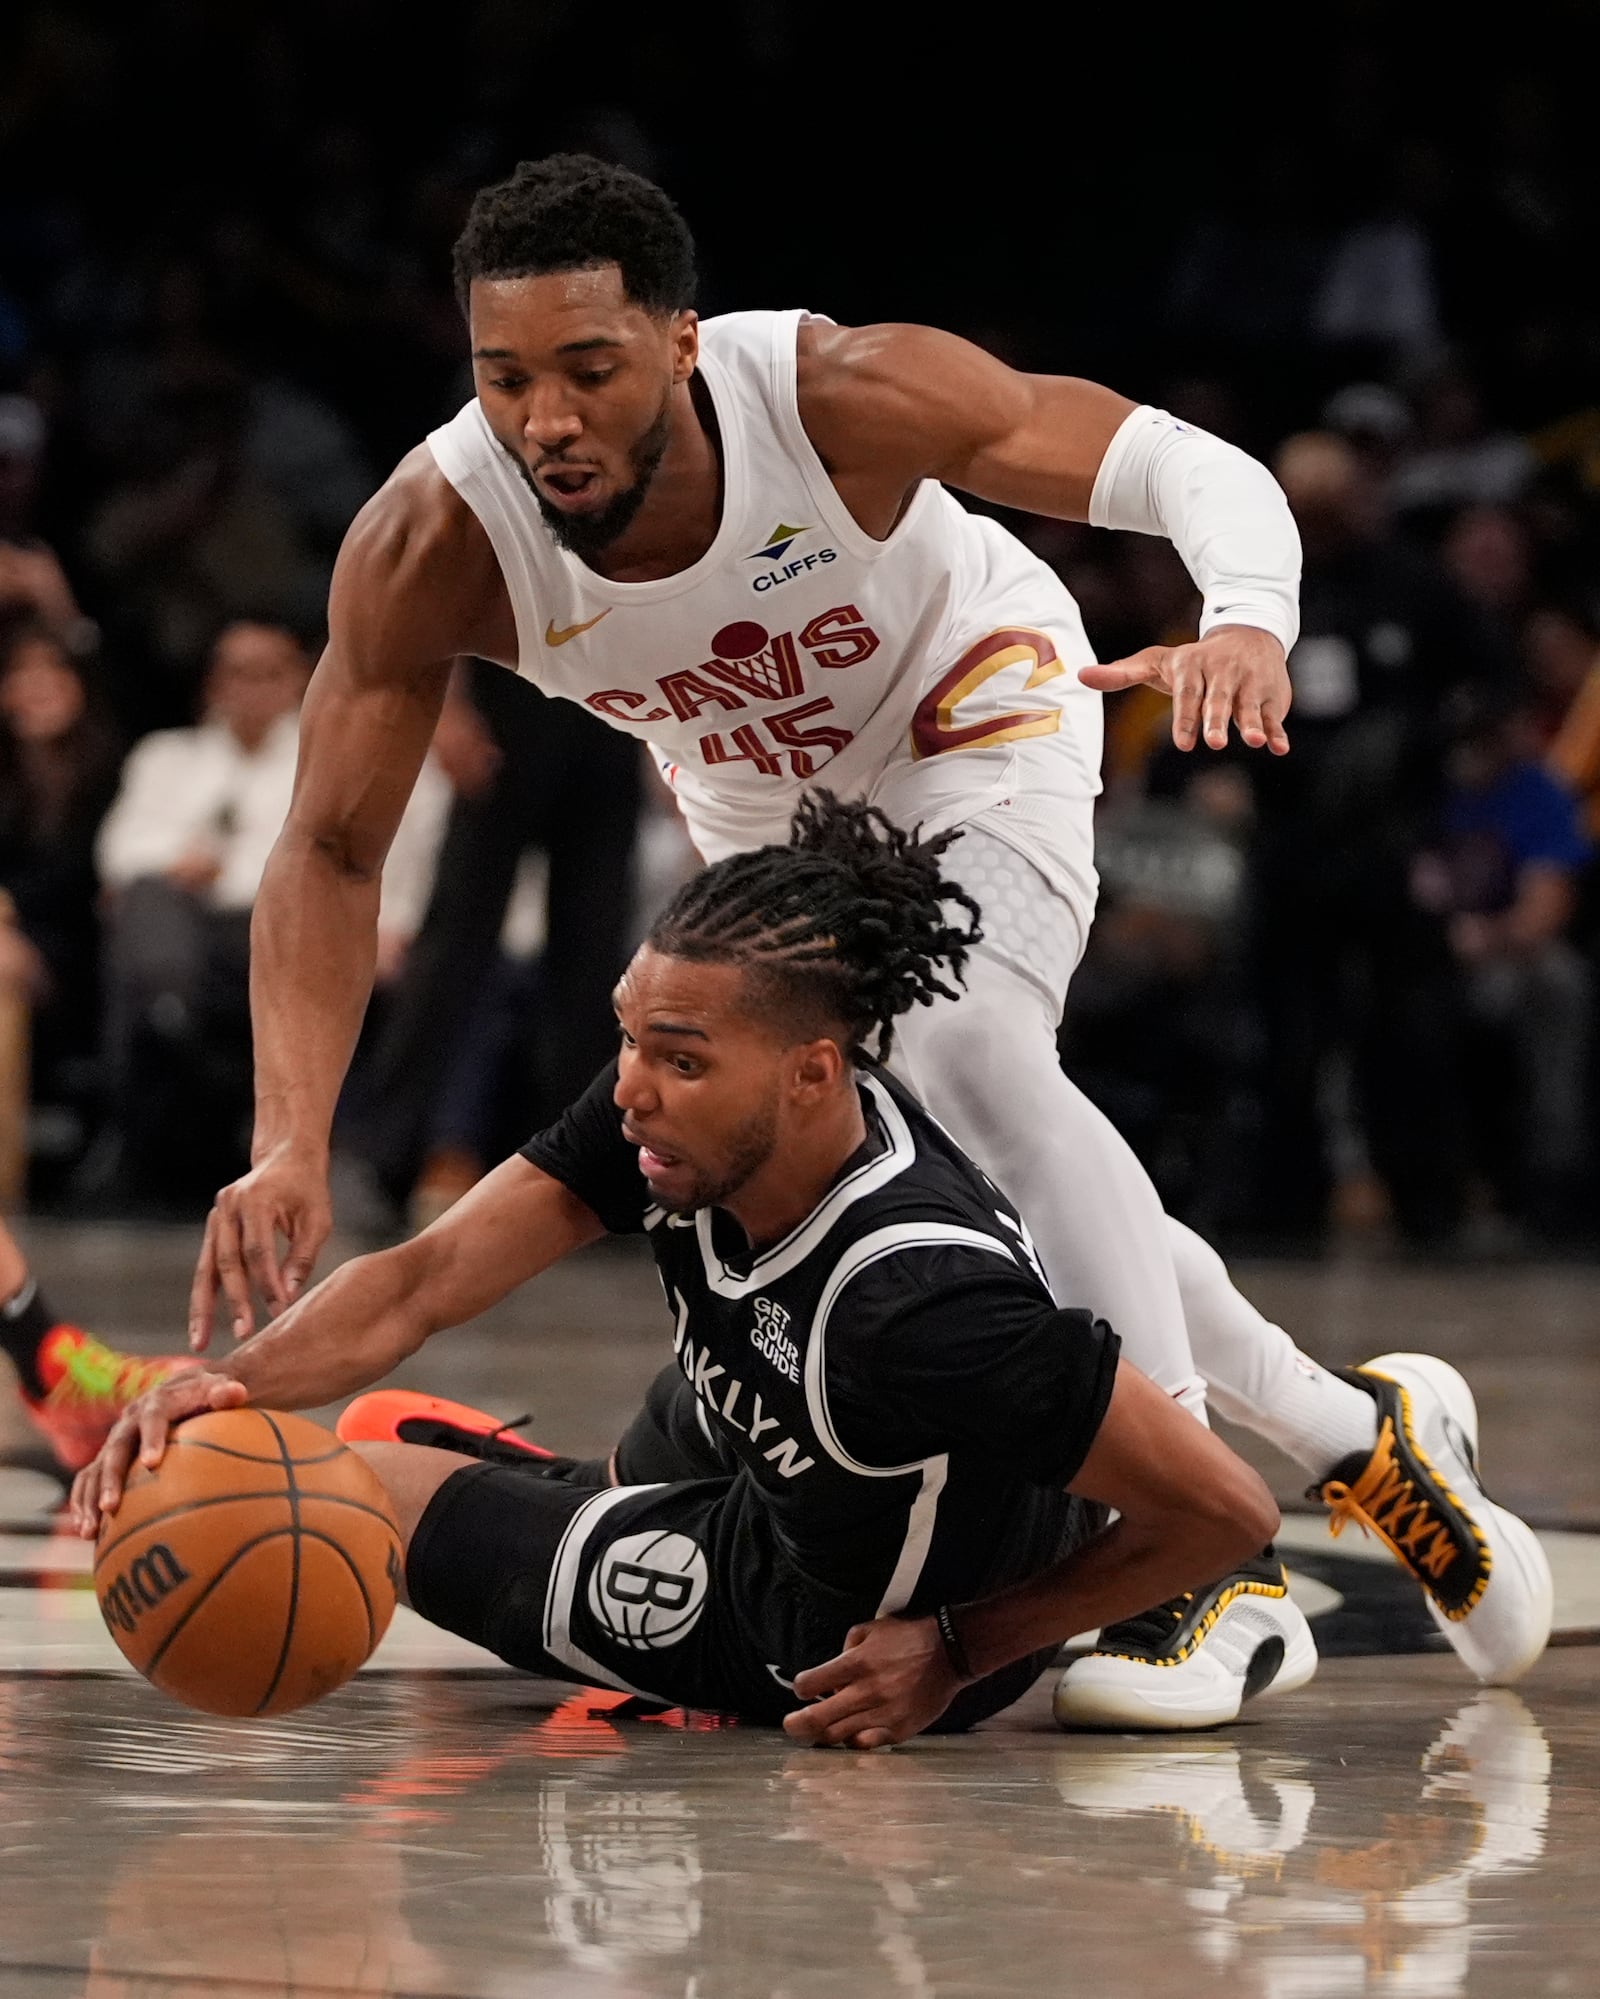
<point x="572" y="212"/>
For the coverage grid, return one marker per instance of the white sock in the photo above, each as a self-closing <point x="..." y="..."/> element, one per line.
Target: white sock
<point x="1257" y="1376"/>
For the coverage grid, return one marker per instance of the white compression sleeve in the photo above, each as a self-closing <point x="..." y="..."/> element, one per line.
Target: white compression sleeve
<point x="1223" y="512"/>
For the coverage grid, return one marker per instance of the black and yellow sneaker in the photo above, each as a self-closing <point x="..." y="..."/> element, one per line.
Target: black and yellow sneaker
<point x="1487" y="1578"/>
<point x="1193" y="1662"/>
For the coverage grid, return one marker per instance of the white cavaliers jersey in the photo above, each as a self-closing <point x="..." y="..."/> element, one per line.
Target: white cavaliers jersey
<point x="935" y="672"/>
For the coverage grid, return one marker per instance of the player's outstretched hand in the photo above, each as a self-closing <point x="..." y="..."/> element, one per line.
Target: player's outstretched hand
<point x="141" y="1430"/>
<point x="285" y="1195"/>
<point x="1235" y="674"/>
<point x="891" y="1680"/>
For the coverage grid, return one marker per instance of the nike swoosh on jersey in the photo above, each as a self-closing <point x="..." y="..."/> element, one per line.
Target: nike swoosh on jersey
<point x="555" y="635"/>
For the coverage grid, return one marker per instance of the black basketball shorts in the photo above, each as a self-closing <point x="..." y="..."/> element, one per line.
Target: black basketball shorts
<point x="666" y="1590"/>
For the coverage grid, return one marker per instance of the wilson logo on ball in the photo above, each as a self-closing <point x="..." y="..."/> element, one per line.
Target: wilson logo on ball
<point x="142" y="1585"/>
<point x="648" y="1590"/>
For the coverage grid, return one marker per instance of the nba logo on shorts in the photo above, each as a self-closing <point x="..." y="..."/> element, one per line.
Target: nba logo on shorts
<point x="648" y="1590"/>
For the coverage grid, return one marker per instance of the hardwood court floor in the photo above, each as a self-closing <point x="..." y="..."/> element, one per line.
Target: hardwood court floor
<point x="443" y="1827"/>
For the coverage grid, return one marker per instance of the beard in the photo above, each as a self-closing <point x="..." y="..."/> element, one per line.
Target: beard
<point x="587" y="535"/>
<point x="748" y="1151"/>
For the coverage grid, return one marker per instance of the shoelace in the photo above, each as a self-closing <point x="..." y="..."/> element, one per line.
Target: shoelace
<point x="481" y="1446"/>
<point x="1387" y="1501"/>
<point x="93" y="1372"/>
<point x="515" y="1423"/>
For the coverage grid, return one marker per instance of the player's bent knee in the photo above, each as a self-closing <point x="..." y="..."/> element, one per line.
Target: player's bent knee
<point x="411" y="1474"/>
<point x="1199" y="1268"/>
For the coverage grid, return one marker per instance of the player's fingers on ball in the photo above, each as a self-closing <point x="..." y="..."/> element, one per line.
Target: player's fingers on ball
<point x="81" y="1505"/>
<point x="116" y="1454"/>
<point x="155" y="1419"/>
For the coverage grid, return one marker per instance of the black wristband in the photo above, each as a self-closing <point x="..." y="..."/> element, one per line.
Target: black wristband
<point x="25" y="1318"/>
<point x="954" y="1650"/>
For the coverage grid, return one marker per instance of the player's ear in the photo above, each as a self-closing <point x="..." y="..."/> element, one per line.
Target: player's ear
<point x="685" y="344"/>
<point x="815" y="1070"/>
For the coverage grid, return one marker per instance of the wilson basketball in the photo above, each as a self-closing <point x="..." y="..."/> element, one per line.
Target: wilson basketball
<point x="255" y="1569"/>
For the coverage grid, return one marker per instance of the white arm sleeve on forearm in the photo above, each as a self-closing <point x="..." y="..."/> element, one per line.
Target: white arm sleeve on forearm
<point x="1223" y="513"/>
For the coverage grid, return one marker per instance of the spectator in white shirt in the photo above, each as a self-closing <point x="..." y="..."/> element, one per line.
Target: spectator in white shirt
<point x="200" y="808"/>
<point x="181" y="855"/>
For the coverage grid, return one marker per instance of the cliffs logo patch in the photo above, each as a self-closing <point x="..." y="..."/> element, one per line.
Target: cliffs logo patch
<point x="648" y="1590"/>
<point x="777" y="546"/>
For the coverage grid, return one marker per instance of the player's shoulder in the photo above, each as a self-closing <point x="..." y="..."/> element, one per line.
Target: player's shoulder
<point x="415" y="518"/>
<point x="850" y="368"/>
<point x="930" y="1197"/>
<point x="925" y="1266"/>
<point x="937" y="1162"/>
<point x="416" y="558"/>
<point x="895" y="396"/>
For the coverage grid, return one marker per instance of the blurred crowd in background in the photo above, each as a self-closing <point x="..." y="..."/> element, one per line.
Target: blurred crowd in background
<point x="1351" y="992"/>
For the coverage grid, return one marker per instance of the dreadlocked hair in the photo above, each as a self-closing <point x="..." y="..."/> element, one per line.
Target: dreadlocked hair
<point x="850" y="923"/>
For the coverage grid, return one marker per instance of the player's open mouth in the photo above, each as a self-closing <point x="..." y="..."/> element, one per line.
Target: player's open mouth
<point x="653" y="1162"/>
<point x="565" y="483"/>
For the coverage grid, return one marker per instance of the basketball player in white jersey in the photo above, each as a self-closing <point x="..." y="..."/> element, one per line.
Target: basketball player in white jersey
<point x="735" y="542"/>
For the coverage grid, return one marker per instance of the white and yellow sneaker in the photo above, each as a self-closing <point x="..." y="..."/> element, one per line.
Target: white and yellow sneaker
<point x="1193" y="1662"/>
<point x="1487" y="1579"/>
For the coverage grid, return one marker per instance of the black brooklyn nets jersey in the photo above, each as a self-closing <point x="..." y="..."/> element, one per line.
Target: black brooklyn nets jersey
<point x="905" y="1401"/>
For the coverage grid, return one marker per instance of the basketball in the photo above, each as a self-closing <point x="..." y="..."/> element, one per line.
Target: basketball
<point x="254" y="1569"/>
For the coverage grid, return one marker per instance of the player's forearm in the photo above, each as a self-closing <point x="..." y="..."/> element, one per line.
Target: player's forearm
<point x="352" y="1330"/>
<point x="1222" y="511"/>
<point x="1123" y="1571"/>
<point x="313" y="949"/>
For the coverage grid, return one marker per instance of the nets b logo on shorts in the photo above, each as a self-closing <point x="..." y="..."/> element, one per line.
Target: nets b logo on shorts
<point x="648" y="1590"/>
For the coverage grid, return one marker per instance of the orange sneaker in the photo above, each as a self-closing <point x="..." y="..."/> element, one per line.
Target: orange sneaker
<point x="398" y="1416"/>
<point x="87" y="1387"/>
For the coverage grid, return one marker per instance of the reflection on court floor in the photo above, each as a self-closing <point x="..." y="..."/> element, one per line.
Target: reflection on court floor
<point x="459" y="1837"/>
<point x="444" y="1827"/>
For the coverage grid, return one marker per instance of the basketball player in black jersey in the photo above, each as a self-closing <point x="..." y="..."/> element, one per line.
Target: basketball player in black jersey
<point x="846" y="1506"/>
